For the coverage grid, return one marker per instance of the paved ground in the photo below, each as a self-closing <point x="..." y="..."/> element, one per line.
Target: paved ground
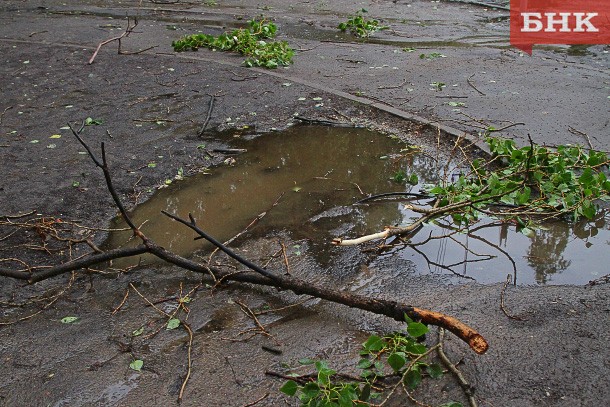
<point x="557" y="357"/>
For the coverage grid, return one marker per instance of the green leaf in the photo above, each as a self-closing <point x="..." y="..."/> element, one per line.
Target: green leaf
<point x="346" y="397"/>
<point x="413" y="179"/>
<point x="451" y="404"/>
<point x="307" y="361"/>
<point x="415" y="348"/>
<point x="416" y="329"/>
<point x="92" y="122"/>
<point x="397" y="360"/>
<point x="138" y="331"/>
<point x="412" y="378"/>
<point x="364" y="364"/>
<point x="373" y="343"/>
<point x="136" y="365"/>
<point x="588" y="209"/>
<point x="310" y="390"/>
<point x="173" y="323"/>
<point x="69" y="320"/>
<point x="435" y="371"/>
<point x="290" y="388"/>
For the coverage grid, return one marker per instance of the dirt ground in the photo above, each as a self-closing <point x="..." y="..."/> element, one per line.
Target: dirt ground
<point x="152" y="105"/>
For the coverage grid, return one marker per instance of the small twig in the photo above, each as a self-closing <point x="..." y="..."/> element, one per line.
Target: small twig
<point x="252" y="223"/>
<point x="260" y="328"/>
<point x="152" y="120"/>
<point x="118" y="308"/>
<point x="149" y="302"/>
<point x="285" y="257"/>
<point x="37" y="32"/>
<point x="207" y="119"/>
<point x="47" y="305"/>
<point x="121" y="52"/>
<point x="258" y="400"/>
<point x="394" y="87"/>
<point x="128" y="31"/>
<point x="5" y="110"/>
<point x="468" y="389"/>
<point x="502" y="294"/>
<point x="574" y="131"/>
<point x="19" y="215"/>
<point x="189" y="360"/>
<point x="472" y="84"/>
<point x="492" y="130"/>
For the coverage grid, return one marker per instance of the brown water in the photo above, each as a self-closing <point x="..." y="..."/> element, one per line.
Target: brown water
<point x="316" y="173"/>
<point x="312" y="168"/>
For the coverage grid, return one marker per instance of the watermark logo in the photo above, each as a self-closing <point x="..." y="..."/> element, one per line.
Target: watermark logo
<point x="559" y="22"/>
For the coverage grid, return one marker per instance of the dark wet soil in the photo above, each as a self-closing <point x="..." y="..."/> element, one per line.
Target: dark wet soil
<point x="152" y="106"/>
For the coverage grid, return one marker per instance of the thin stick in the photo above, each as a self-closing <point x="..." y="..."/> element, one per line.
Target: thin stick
<point x="258" y="400"/>
<point x="505" y="127"/>
<point x="149" y="302"/>
<point x="468" y="389"/>
<point x="189" y="360"/>
<point x="502" y="294"/>
<point x="122" y="302"/>
<point x="207" y="119"/>
<point x="128" y="31"/>
<point x="472" y="84"/>
<point x="53" y="301"/>
<point x="574" y="131"/>
<point x="285" y="258"/>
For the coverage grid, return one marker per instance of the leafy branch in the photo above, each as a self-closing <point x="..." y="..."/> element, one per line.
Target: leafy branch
<point x="360" y="26"/>
<point x="399" y="355"/>
<point x="522" y="184"/>
<point x="254" y="42"/>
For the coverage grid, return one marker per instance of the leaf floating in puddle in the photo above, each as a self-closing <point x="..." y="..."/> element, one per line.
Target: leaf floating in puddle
<point x="69" y="320"/>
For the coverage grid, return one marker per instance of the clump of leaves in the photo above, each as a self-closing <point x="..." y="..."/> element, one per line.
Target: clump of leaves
<point x="360" y="26"/>
<point x="324" y="391"/>
<point x="432" y="55"/>
<point x="398" y="354"/>
<point x="401" y="177"/>
<point x="565" y="181"/>
<point x="402" y="352"/>
<point x="255" y="42"/>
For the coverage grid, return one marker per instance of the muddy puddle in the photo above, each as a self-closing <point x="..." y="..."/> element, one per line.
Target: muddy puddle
<point x="303" y="182"/>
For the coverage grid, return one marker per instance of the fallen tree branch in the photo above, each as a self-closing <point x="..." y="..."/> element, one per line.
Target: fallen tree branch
<point x="258" y="275"/>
